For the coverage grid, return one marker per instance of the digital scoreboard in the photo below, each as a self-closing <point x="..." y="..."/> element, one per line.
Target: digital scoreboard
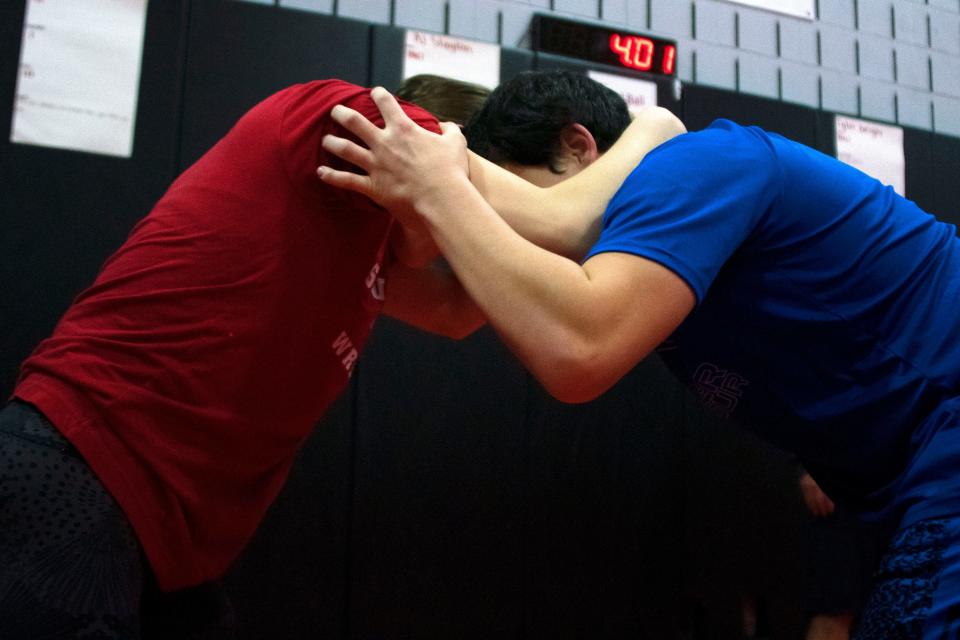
<point x="603" y="45"/>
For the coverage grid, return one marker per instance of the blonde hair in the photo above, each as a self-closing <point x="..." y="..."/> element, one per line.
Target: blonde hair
<point x="448" y="99"/>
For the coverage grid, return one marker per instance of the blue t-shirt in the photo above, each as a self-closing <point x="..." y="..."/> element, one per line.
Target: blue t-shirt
<point x="827" y="306"/>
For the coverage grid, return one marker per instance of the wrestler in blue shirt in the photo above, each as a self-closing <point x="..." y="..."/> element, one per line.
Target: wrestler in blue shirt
<point x="824" y="306"/>
<point x="794" y="293"/>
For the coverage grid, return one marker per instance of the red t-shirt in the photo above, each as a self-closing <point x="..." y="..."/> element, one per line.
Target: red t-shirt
<point x="213" y="340"/>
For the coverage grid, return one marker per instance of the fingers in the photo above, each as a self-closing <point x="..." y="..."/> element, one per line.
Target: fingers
<point x="828" y="506"/>
<point x="345" y="180"/>
<point x="389" y="108"/>
<point x="450" y="129"/>
<point x="349" y="151"/>
<point x="355" y="123"/>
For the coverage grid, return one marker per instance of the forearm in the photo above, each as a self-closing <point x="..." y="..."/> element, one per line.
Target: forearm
<point x="540" y="303"/>
<point x="432" y="299"/>
<point x="577" y="328"/>
<point x="565" y="218"/>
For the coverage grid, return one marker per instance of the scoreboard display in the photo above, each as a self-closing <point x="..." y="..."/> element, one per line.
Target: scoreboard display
<point x="603" y="45"/>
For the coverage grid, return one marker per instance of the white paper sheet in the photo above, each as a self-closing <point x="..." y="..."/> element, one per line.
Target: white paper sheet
<point x="799" y="8"/>
<point x="456" y="58"/>
<point x="79" y="75"/>
<point x="876" y="149"/>
<point x="636" y="92"/>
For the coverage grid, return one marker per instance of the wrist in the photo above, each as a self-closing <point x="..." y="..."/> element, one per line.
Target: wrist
<point x="442" y="199"/>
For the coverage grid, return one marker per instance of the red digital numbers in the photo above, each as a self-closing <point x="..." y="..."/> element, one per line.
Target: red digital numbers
<point x="637" y="53"/>
<point x="669" y="57"/>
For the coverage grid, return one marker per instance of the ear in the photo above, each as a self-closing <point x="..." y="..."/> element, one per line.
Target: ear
<point x="577" y="145"/>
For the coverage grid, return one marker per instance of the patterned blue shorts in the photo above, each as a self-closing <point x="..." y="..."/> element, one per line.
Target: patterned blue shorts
<point x="916" y="592"/>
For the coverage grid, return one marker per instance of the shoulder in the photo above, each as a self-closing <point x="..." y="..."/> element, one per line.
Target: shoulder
<point x="723" y="140"/>
<point x="723" y="154"/>
<point x="314" y="100"/>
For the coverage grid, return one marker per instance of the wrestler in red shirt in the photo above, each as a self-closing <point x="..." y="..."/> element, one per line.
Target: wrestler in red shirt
<point x="187" y="376"/>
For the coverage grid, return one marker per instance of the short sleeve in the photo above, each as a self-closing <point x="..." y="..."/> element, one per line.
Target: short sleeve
<point x="693" y="201"/>
<point x="306" y="119"/>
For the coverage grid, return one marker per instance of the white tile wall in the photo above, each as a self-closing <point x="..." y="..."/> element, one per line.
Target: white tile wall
<point x="876" y="57"/>
<point x="798" y="41"/>
<point x="716" y="66"/>
<point x="839" y="13"/>
<point x="910" y="23"/>
<point x="946" y="74"/>
<point x="875" y="16"/>
<point x="377" y="11"/>
<point x="945" y="31"/>
<point x="419" y="14"/>
<point x="800" y="83"/>
<point x="877" y="100"/>
<point x="913" y="108"/>
<point x="913" y="66"/>
<point x="840" y="92"/>
<point x="715" y="22"/>
<point x="757" y="32"/>
<point x="672" y="17"/>
<point x="316" y="6"/>
<point x="758" y="74"/>
<point x="885" y="59"/>
<point x="946" y="115"/>
<point x="838" y="49"/>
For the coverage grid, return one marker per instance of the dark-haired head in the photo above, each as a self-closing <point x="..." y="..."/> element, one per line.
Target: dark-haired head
<point x="523" y="120"/>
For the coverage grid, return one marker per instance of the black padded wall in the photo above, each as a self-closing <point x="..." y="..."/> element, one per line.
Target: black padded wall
<point x="386" y="60"/>
<point x="946" y="177"/>
<point x="743" y="517"/>
<point x="440" y="499"/>
<point x="605" y="486"/>
<point x="445" y="494"/>
<point x="703" y="105"/>
<point x="64" y="212"/>
<point x="239" y="53"/>
<point x="920" y="176"/>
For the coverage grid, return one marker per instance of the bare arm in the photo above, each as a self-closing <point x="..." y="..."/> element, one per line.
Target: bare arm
<point x="431" y="298"/>
<point x="565" y="218"/>
<point x="421" y="289"/>
<point x="577" y="328"/>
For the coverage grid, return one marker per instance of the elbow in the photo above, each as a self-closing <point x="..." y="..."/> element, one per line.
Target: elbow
<point x="463" y="330"/>
<point x="663" y="121"/>
<point x="575" y="376"/>
<point x="461" y="323"/>
<point x="672" y="125"/>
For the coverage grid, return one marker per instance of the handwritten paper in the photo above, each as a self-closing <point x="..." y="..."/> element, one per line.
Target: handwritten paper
<point x="876" y="149"/>
<point x="457" y="58"/>
<point x="79" y="75"/>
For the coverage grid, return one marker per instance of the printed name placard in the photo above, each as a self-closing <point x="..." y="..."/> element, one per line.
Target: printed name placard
<point x="477" y="62"/>
<point x="79" y="75"/>
<point x="637" y="93"/>
<point x="876" y="149"/>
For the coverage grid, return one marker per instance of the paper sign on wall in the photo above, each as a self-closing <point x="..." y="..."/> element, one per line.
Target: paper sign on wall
<point x="456" y="58"/>
<point x="799" y="8"/>
<point x="637" y="93"/>
<point x="79" y="75"/>
<point x="875" y="149"/>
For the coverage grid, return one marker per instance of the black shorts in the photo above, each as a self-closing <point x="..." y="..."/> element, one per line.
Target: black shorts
<point x="70" y="564"/>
